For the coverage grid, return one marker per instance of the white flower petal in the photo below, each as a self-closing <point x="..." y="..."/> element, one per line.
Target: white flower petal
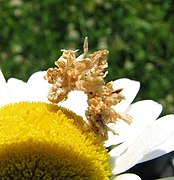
<point x="144" y="109"/>
<point x="155" y="134"/>
<point x="127" y="176"/>
<point x="4" y="95"/>
<point x="38" y="87"/>
<point x="143" y="113"/>
<point x="130" y="90"/>
<point x="76" y="102"/>
<point x="164" y="148"/>
<point x="37" y="76"/>
<point x="17" y="90"/>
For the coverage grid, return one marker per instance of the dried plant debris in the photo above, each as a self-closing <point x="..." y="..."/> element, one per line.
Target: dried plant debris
<point x="86" y="73"/>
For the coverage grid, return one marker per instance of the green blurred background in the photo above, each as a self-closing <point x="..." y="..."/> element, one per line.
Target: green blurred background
<point x="138" y="34"/>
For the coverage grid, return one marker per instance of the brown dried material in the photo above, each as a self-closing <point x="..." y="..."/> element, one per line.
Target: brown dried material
<point x="86" y="73"/>
<point x="100" y="111"/>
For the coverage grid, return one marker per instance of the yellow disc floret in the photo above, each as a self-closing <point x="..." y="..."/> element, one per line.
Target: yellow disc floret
<point x="44" y="141"/>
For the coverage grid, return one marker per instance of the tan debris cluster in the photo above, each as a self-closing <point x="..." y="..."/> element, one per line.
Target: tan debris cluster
<point x="86" y="73"/>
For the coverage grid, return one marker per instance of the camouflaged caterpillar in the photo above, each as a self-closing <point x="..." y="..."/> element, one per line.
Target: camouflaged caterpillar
<point x="86" y="73"/>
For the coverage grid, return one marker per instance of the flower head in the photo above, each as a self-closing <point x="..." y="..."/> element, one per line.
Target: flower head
<point x="43" y="140"/>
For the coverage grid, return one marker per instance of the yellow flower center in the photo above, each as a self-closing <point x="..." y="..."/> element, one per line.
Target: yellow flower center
<point x="44" y="141"/>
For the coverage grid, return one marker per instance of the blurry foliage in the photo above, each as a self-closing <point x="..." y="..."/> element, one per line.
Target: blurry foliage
<point x="138" y="34"/>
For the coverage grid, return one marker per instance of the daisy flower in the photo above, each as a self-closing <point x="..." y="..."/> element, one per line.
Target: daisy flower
<point x="93" y="133"/>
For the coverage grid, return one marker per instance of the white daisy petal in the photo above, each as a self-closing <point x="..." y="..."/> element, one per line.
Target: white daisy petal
<point x="38" y="87"/>
<point x="17" y="90"/>
<point x="76" y="102"/>
<point x="164" y="148"/>
<point x="130" y="90"/>
<point x="155" y="134"/>
<point x="127" y="176"/>
<point x="144" y="109"/>
<point x="4" y="95"/>
<point x="143" y="113"/>
<point x="148" y="111"/>
<point x="37" y="76"/>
